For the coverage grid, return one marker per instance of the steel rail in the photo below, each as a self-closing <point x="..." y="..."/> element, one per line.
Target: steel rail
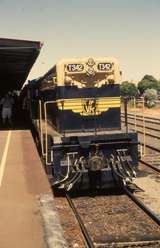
<point x="151" y="128"/>
<point x="149" y="212"/>
<point x="147" y="134"/>
<point x="137" y="201"/>
<point x="141" y="120"/>
<point x="146" y="163"/>
<point x="150" y="165"/>
<point x="151" y="147"/>
<point x="130" y="244"/>
<point x="82" y="226"/>
<point x="146" y="117"/>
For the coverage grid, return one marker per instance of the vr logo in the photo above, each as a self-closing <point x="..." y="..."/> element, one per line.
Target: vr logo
<point x="89" y="107"/>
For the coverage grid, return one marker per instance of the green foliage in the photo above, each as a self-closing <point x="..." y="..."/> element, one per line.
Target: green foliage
<point x="150" y="96"/>
<point x="158" y="87"/>
<point x="148" y="82"/>
<point x="128" y="89"/>
<point x="149" y="78"/>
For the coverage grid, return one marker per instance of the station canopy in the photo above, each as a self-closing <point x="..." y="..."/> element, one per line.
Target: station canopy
<point x="16" y="60"/>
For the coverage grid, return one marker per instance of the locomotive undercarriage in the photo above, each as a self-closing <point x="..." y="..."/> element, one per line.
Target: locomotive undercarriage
<point x="94" y="164"/>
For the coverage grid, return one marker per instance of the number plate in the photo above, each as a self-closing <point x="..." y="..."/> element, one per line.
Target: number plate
<point x="75" y="67"/>
<point x="104" y="66"/>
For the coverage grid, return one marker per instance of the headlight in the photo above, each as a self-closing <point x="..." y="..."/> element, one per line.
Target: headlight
<point x="95" y="163"/>
<point x="90" y="62"/>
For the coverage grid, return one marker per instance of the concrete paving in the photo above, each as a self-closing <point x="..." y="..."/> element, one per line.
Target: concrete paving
<point x="23" y="182"/>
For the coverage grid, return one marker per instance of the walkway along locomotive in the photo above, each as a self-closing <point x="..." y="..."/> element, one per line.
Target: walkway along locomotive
<point x="75" y="108"/>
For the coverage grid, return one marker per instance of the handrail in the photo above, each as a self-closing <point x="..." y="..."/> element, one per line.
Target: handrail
<point x="41" y="128"/>
<point x="144" y="128"/>
<point x="143" y="151"/>
<point x="46" y="131"/>
<point x="135" y="115"/>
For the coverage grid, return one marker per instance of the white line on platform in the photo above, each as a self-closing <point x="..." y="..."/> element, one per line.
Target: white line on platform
<point x="4" y="157"/>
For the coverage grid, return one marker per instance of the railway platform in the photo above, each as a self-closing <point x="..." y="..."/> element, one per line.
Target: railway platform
<point x="28" y="217"/>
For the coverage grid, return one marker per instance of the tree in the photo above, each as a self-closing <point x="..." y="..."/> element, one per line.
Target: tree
<point x="150" y="96"/>
<point x="128" y="89"/>
<point x="158" y="87"/>
<point x="148" y="82"/>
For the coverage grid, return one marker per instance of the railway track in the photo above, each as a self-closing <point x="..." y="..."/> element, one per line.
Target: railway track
<point x="115" y="220"/>
<point x="140" y="117"/>
<point x="152" y="160"/>
<point x="152" y="133"/>
<point x="106" y="231"/>
<point x="153" y="128"/>
<point x="149" y="128"/>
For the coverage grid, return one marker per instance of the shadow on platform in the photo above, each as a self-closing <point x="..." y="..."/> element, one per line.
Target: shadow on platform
<point x="21" y="121"/>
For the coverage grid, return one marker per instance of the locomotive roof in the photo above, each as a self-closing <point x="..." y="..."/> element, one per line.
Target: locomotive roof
<point x="84" y="59"/>
<point x="16" y="60"/>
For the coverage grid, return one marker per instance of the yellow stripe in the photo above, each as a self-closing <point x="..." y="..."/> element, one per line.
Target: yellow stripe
<point x="77" y="105"/>
<point x="100" y="105"/>
<point x="99" y="101"/>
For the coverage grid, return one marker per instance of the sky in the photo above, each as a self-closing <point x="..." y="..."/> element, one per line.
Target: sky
<point x="126" y="29"/>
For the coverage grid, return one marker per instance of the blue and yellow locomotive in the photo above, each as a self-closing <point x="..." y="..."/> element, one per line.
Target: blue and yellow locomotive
<point x="76" y="109"/>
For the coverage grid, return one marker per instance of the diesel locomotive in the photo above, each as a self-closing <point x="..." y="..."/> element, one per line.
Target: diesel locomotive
<point x="76" y="110"/>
